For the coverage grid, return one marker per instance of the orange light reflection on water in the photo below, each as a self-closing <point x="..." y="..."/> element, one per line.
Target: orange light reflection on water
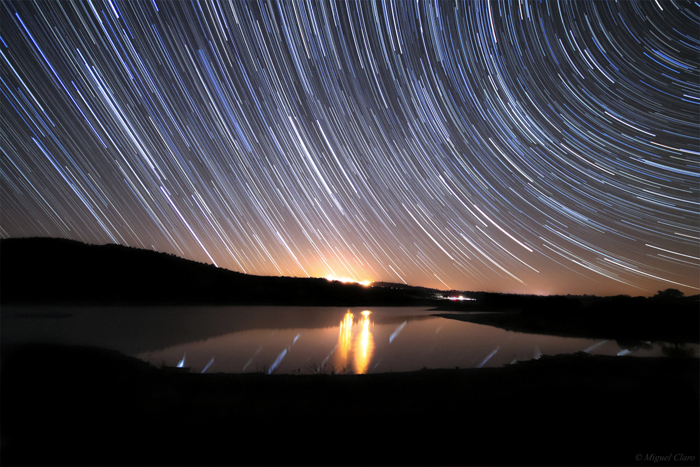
<point x="362" y="346"/>
<point x="345" y="339"/>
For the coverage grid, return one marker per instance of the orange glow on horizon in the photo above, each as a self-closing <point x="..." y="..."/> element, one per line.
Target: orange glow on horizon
<point x="347" y="280"/>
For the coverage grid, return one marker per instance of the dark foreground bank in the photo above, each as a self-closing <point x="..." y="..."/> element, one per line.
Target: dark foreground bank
<point x="72" y="406"/>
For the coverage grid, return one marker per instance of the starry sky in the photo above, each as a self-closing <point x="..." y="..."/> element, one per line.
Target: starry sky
<point x="521" y="147"/>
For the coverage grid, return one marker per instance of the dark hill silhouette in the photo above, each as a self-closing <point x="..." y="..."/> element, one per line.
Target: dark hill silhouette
<point x="48" y="271"/>
<point x="394" y="285"/>
<point x="35" y="271"/>
<point x="667" y="316"/>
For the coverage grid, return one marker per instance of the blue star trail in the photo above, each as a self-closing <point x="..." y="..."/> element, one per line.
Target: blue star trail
<point x="527" y="147"/>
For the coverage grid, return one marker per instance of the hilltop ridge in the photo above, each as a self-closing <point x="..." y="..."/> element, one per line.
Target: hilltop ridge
<point x="55" y="271"/>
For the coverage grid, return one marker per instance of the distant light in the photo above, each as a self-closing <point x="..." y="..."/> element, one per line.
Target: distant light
<point x="460" y="298"/>
<point x="347" y="280"/>
<point x="366" y="313"/>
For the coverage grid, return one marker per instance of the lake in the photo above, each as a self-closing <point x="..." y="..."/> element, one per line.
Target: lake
<point x="297" y="339"/>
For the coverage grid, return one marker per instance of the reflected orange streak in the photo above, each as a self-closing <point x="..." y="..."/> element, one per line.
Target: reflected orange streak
<point x="364" y="345"/>
<point x="345" y="339"/>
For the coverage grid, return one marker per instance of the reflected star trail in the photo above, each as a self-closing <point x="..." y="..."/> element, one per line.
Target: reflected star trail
<point x="519" y="147"/>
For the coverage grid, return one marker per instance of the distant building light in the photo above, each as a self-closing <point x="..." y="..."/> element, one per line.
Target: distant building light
<point x="460" y="298"/>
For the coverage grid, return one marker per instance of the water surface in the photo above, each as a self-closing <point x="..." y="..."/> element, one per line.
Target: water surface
<point x="297" y="339"/>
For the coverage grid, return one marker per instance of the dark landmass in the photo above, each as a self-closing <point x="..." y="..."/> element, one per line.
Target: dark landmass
<point x="80" y="406"/>
<point x="59" y="272"/>
<point x="50" y="271"/>
<point x="668" y="316"/>
<point x="669" y="299"/>
<point x="393" y="285"/>
<point x="630" y="326"/>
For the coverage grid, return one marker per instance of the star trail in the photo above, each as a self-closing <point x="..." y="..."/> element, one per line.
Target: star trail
<point x="525" y="147"/>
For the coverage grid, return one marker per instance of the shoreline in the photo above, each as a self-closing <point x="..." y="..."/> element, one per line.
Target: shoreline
<point x="680" y="328"/>
<point x="94" y="406"/>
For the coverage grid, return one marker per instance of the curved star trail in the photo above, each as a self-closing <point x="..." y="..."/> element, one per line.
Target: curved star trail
<point x="503" y="146"/>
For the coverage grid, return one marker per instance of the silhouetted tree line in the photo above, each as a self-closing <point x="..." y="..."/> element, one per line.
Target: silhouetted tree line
<point x="671" y="300"/>
<point x="667" y="316"/>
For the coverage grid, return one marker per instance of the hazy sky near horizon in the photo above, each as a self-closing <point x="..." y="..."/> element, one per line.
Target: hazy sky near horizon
<point x="523" y="147"/>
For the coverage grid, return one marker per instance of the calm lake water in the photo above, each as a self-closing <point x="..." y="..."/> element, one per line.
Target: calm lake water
<point x="297" y="339"/>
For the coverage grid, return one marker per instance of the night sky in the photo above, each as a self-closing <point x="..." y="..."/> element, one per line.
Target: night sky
<point x="525" y="147"/>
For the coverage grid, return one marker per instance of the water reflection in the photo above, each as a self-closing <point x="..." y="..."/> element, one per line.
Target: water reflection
<point x="302" y="339"/>
<point x="364" y="344"/>
<point x="345" y="339"/>
<point x="361" y="346"/>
